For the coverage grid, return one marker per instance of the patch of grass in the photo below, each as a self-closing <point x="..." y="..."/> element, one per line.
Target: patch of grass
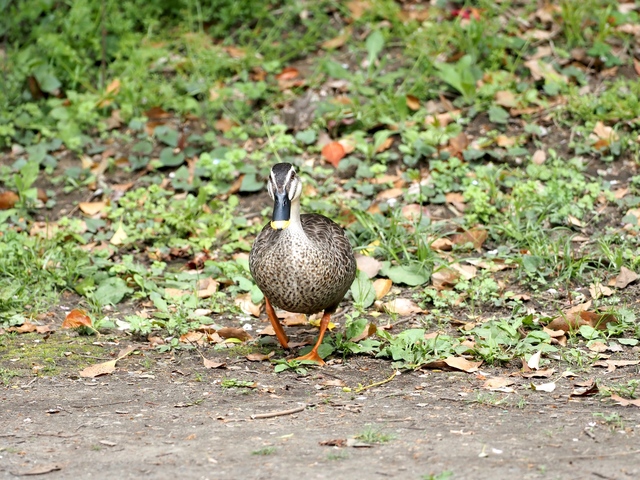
<point x="444" y="475"/>
<point x="337" y="456"/>
<point x="264" y="451"/>
<point x="373" y="434"/>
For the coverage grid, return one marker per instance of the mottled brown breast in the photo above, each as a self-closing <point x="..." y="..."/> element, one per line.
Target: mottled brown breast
<point x="304" y="271"/>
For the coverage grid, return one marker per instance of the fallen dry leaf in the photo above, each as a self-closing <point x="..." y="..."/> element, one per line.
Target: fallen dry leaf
<point x="402" y="307"/>
<point x="93" y="371"/>
<point x="119" y="236"/>
<point x="211" y="364"/>
<point x="294" y="319"/>
<point x="625" y="277"/>
<point x="545" y="387"/>
<point x="624" y="401"/>
<point x="234" y="332"/>
<point x="92" y="208"/>
<point x="246" y="305"/>
<point x="475" y="235"/>
<point x="76" y="318"/>
<point x="382" y="286"/>
<point x="207" y="287"/>
<point x="337" y="42"/>
<point x="498" y="383"/>
<point x="259" y="357"/>
<point x="370" y="329"/>
<point x="26" y="327"/>
<point x="599" y="290"/>
<point x="534" y="360"/>
<point x="444" y="278"/>
<point x="412" y="102"/>
<point x="585" y="389"/>
<point x="368" y="265"/>
<point x="333" y="152"/>
<point x="539" y="157"/>
<point x="460" y="363"/>
<point x="8" y="200"/>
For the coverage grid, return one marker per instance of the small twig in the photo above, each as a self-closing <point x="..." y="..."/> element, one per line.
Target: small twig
<point x="377" y="384"/>
<point x="279" y="413"/>
<point x="595" y="456"/>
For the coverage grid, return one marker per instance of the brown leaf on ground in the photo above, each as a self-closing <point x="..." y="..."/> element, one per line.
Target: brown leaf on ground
<point x="499" y="383"/>
<point x="333" y="152"/>
<point x="234" y="332"/>
<point x="460" y="363"/>
<point x="599" y="290"/>
<point x="336" y="442"/>
<point x="358" y="7"/>
<point x="624" y="401"/>
<point x="193" y="338"/>
<point x="475" y="235"/>
<point x="369" y="265"/>
<point x="585" y="389"/>
<point x="246" y="305"/>
<point x="444" y="278"/>
<point x="370" y="329"/>
<point x="38" y="470"/>
<point x="414" y="211"/>
<point x="259" y="357"/>
<point x="207" y="287"/>
<point x="337" y="42"/>
<point x="544" y="373"/>
<point x="575" y="317"/>
<point x="539" y="157"/>
<point x="412" y="102"/>
<point x="382" y="286"/>
<point x="268" y="330"/>
<point x="224" y="124"/>
<point x="385" y="145"/>
<point x="534" y="360"/>
<point x="77" y="318"/>
<point x="26" y="327"/>
<point x="211" y="364"/>
<point x="506" y="98"/>
<point x="458" y="144"/>
<point x="294" y="319"/>
<point x="442" y="245"/>
<point x="402" y="307"/>
<point x="92" y="208"/>
<point x="288" y="73"/>
<point x="93" y="371"/>
<point x="456" y="199"/>
<point x="8" y="200"/>
<point x="625" y="277"/>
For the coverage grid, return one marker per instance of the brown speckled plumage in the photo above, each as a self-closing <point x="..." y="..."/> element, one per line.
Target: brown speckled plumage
<point x="307" y="267"/>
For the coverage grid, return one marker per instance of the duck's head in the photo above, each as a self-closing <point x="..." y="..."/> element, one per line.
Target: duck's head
<point x="284" y="188"/>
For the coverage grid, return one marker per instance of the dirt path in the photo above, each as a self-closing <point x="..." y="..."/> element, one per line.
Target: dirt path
<point x="178" y="421"/>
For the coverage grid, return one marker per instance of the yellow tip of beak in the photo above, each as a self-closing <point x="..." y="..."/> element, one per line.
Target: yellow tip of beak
<point x="280" y="224"/>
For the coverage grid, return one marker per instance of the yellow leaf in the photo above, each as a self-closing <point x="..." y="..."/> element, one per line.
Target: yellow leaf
<point x="118" y="237"/>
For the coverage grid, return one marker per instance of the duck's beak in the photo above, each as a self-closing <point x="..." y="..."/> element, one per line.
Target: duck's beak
<point x="281" y="211"/>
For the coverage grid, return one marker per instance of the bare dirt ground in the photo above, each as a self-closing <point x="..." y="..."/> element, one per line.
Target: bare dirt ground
<point x="174" y="419"/>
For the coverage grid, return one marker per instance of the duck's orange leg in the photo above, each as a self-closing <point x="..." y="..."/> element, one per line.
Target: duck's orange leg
<point x="313" y="354"/>
<point x="271" y="313"/>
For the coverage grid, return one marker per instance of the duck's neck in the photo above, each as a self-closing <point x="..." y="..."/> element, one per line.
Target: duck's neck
<point x="294" y="218"/>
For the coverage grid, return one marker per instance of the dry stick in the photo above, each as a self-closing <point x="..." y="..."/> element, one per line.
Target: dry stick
<point x="377" y="384"/>
<point x="279" y="413"/>
<point x="603" y="455"/>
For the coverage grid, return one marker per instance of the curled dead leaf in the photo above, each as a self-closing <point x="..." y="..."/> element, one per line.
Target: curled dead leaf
<point x="76" y="318"/>
<point x="333" y="152"/>
<point x="8" y="200"/>
<point x="382" y="286"/>
<point x="402" y="307"/>
<point x="234" y="332"/>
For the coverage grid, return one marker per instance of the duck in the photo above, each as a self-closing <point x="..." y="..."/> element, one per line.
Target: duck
<point x="302" y="263"/>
